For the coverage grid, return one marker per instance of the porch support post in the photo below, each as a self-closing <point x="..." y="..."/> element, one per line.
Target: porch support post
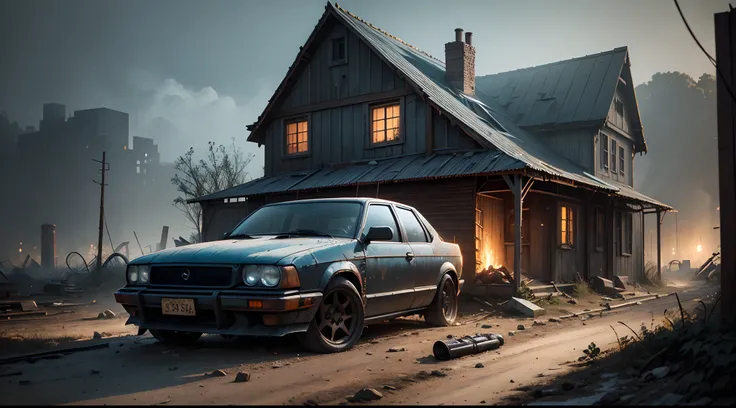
<point x="516" y="188"/>
<point x="659" y="245"/>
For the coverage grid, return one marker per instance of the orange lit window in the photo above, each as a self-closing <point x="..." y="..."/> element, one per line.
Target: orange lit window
<point x="297" y="137"/>
<point x="567" y="226"/>
<point x="385" y="123"/>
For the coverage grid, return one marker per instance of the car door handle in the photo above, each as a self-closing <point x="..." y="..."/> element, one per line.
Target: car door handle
<point x="409" y="256"/>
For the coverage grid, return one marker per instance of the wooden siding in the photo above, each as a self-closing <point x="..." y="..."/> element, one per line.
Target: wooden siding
<point x="630" y="265"/>
<point x="575" y="145"/>
<point x="447" y="136"/>
<point x="622" y="123"/>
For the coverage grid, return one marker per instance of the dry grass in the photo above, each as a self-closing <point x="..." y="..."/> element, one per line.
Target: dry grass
<point x="23" y="344"/>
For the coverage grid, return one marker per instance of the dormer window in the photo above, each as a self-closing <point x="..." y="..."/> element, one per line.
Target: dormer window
<point x="385" y="123"/>
<point x="339" y="51"/>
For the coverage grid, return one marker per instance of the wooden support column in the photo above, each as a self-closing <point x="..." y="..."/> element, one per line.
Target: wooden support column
<point x="659" y="245"/>
<point x="516" y="188"/>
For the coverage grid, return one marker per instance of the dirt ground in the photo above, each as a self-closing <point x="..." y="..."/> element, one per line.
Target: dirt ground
<point x="138" y="370"/>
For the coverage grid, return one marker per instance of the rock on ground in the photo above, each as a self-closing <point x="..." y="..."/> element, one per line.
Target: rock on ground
<point x="521" y="327"/>
<point x="366" y="394"/>
<point x="242" y="377"/>
<point x="217" y="373"/>
<point x="396" y="349"/>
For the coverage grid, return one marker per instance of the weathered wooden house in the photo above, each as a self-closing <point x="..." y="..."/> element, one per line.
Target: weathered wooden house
<point x="531" y="168"/>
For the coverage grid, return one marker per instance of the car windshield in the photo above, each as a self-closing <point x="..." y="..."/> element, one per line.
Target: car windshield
<point x="337" y="219"/>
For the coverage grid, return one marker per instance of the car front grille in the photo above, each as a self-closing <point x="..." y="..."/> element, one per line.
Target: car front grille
<point x="191" y="276"/>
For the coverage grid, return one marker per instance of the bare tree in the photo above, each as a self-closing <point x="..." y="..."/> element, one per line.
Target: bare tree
<point x="221" y="169"/>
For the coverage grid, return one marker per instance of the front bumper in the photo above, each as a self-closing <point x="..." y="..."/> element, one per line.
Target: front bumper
<point x="230" y="312"/>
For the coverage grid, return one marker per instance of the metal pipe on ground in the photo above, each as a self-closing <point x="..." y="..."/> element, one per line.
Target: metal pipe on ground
<point x="454" y="348"/>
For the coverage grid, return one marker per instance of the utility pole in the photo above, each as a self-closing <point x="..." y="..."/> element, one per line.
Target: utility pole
<point x="105" y="168"/>
<point x="725" y="24"/>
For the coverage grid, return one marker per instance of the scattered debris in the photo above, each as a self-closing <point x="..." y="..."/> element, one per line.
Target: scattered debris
<point x="242" y="377"/>
<point x="438" y="373"/>
<point x="368" y="353"/>
<point x="216" y="373"/>
<point x="53" y="353"/>
<point x="366" y="394"/>
<point x="454" y="348"/>
<point x="525" y="307"/>
<point x="311" y="403"/>
<point x="389" y="387"/>
<point x="539" y="323"/>
<point x="521" y="327"/>
<point x="479" y="365"/>
<point x="97" y="335"/>
<point x="395" y="349"/>
<point x="554" y="320"/>
<point x="486" y="326"/>
<point x="512" y="333"/>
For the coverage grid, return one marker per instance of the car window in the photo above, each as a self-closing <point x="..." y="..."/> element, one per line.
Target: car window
<point x="412" y="226"/>
<point x="338" y="219"/>
<point x="381" y="216"/>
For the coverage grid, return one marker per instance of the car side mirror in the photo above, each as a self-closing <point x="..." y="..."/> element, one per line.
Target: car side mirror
<point x="379" y="234"/>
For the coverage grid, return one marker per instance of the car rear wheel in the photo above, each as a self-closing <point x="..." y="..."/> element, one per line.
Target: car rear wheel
<point x="339" y="321"/>
<point x="175" y="337"/>
<point x="443" y="309"/>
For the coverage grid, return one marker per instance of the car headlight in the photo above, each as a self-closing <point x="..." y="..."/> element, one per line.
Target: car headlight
<point x="270" y="276"/>
<point x="251" y="275"/>
<point x="144" y="273"/>
<point x="132" y="274"/>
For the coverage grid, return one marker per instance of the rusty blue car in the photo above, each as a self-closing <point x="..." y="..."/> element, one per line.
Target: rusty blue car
<point x="321" y="269"/>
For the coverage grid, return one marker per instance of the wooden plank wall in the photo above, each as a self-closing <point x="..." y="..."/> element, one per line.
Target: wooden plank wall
<point x="575" y="145"/>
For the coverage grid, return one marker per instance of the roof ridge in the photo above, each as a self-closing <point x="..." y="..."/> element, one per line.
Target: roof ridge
<point x="596" y="55"/>
<point x="386" y="33"/>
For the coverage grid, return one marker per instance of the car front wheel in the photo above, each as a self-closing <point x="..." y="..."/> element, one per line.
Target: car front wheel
<point x="339" y="321"/>
<point x="175" y="337"/>
<point x="443" y="309"/>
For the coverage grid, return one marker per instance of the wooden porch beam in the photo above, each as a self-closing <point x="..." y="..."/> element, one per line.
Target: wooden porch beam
<point x="516" y="187"/>
<point x="659" y="244"/>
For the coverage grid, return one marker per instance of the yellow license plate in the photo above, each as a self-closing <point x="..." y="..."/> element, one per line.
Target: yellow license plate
<point x="178" y="307"/>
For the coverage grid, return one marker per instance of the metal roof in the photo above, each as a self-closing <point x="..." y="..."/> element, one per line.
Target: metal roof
<point x="415" y="167"/>
<point x="486" y="121"/>
<point x="575" y="90"/>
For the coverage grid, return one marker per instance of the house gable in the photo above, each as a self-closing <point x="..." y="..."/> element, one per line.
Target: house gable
<point x="335" y="97"/>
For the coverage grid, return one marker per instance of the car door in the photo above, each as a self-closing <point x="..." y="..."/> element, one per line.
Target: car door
<point x="426" y="263"/>
<point x="389" y="271"/>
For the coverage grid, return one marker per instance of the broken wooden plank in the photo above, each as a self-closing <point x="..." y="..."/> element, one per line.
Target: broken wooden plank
<point x="45" y="354"/>
<point x="14" y="373"/>
<point x="24" y="314"/>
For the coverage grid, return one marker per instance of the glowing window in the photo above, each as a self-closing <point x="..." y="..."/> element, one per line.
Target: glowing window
<point x="297" y="137"/>
<point x="385" y="123"/>
<point x="567" y="225"/>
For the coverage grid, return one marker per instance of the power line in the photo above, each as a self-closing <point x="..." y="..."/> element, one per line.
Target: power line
<point x="710" y="58"/>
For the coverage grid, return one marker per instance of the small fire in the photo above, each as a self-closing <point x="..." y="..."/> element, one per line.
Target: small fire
<point x="488" y="261"/>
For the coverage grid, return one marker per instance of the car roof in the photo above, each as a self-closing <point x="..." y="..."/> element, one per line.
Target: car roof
<point x="362" y="200"/>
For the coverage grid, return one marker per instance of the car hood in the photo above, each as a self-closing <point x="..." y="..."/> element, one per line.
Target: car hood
<point x="262" y="250"/>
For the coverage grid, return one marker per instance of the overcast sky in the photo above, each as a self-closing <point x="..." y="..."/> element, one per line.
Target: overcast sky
<point x="209" y="67"/>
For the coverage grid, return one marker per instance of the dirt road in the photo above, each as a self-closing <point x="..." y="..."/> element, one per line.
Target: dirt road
<point x="140" y="371"/>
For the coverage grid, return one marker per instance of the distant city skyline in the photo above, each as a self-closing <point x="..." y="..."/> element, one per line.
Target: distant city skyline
<point x="199" y="71"/>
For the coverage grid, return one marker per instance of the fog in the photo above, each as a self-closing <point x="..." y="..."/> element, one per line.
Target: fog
<point x="681" y="169"/>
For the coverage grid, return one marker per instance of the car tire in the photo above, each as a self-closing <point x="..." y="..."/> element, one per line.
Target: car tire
<point x="443" y="309"/>
<point x="341" y="308"/>
<point x="175" y="337"/>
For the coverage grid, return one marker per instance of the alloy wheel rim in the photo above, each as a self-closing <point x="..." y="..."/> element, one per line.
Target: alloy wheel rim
<point x="337" y="318"/>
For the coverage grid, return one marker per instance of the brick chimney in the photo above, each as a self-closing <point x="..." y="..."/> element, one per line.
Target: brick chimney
<point x="460" y="63"/>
